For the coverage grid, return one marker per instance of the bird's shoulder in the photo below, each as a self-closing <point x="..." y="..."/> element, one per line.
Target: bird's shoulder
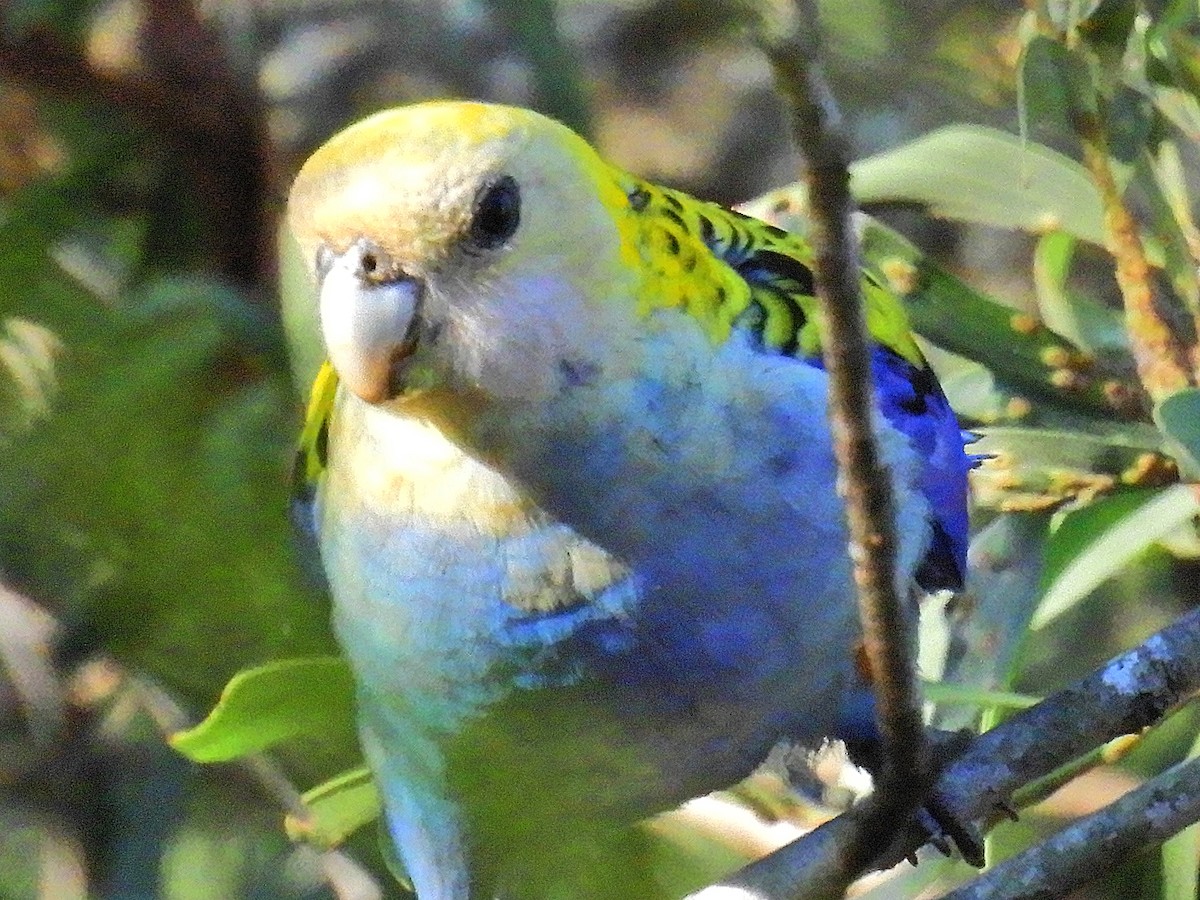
<point x="733" y="273"/>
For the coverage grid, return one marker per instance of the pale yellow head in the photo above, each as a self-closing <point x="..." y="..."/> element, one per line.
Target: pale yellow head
<point x="474" y="242"/>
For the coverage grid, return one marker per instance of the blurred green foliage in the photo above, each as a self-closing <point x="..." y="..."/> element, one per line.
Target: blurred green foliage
<point x="148" y="404"/>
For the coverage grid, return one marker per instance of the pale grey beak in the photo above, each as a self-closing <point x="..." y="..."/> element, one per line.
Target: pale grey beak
<point x="368" y="318"/>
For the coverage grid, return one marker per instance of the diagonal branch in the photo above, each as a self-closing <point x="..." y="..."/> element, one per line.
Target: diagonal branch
<point x="1087" y="848"/>
<point x="1131" y="692"/>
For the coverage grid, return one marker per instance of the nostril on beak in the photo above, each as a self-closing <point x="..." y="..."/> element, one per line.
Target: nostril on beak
<point x="373" y="262"/>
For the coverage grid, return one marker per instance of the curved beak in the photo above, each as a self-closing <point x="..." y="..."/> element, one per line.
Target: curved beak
<point x="368" y="320"/>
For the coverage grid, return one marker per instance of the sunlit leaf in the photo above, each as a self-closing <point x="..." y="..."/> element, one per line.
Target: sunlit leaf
<point x="260" y="707"/>
<point x="1093" y="544"/>
<point x="1036" y="468"/>
<point x="1172" y="179"/>
<point x="337" y="808"/>
<point x="983" y="175"/>
<point x="298" y="306"/>
<point x="28" y="353"/>
<point x="1178" y="107"/>
<point x="972" y="389"/>
<point x="1181" y="857"/>
<point x="965" y="695"/>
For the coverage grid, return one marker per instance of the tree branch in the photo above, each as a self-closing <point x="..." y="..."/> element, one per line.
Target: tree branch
<point x="1130" y="693"/>
<point x="889" y="630"/>
<point x="1090" y="846"/>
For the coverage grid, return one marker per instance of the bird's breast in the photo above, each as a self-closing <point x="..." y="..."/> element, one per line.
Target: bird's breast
<point x="675" y="526"/>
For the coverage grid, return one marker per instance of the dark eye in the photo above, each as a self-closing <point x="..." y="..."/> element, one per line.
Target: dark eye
<point x="497" y="213"/>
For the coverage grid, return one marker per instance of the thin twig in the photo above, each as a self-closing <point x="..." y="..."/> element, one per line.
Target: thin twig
<point x="1129" y="693"/>
<point x="889" y="633"/>
<point x="835" y="855"/>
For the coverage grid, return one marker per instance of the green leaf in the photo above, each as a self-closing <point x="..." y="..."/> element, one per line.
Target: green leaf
<point x="1130" y="121"/>
<point x="1178" y="107"/>
<point x="1179" y="418"/>
<point x="312" y="696"/>
<point x="1061" y="465"/>
<point x="152" y="498"/>
<point x="1090" y="325"/>
<point x="1172" y="43"/>
<point x="965" y="695"/>
<point x="1095" y="543"/>
<point x="1054" y="87"/>
<point x="337" y="808"/>
<point x="1022" y="353"/>
<point x="298" y="308"/>
<point x="1172" y="178"/>
<point x="1168" y="231"/>
<point x="988" y="176"/>
<point x="972" y="389"/>
<point x="1003" y="572"/>
<point x="1109" y="24"/>
<point x="65" y="17"/>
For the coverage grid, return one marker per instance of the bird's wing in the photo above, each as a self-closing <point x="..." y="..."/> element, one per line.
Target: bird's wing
<point x="312" y="449"/>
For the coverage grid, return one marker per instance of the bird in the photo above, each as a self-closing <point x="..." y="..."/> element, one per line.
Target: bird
<point x="569" y="468"/>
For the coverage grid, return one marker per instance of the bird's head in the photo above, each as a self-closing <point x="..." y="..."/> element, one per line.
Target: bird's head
<point x="460" y="245"/>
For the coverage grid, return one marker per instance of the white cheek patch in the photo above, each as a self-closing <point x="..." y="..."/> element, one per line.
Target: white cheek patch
<point x="524" y="335"/>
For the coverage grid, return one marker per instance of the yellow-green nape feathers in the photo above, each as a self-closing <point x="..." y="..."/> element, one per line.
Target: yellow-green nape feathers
<point x="726" y="270"/>
<point x="729" y="270"/>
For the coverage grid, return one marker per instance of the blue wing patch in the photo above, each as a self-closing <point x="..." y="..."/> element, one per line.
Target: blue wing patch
<point x="911" y="399"/>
